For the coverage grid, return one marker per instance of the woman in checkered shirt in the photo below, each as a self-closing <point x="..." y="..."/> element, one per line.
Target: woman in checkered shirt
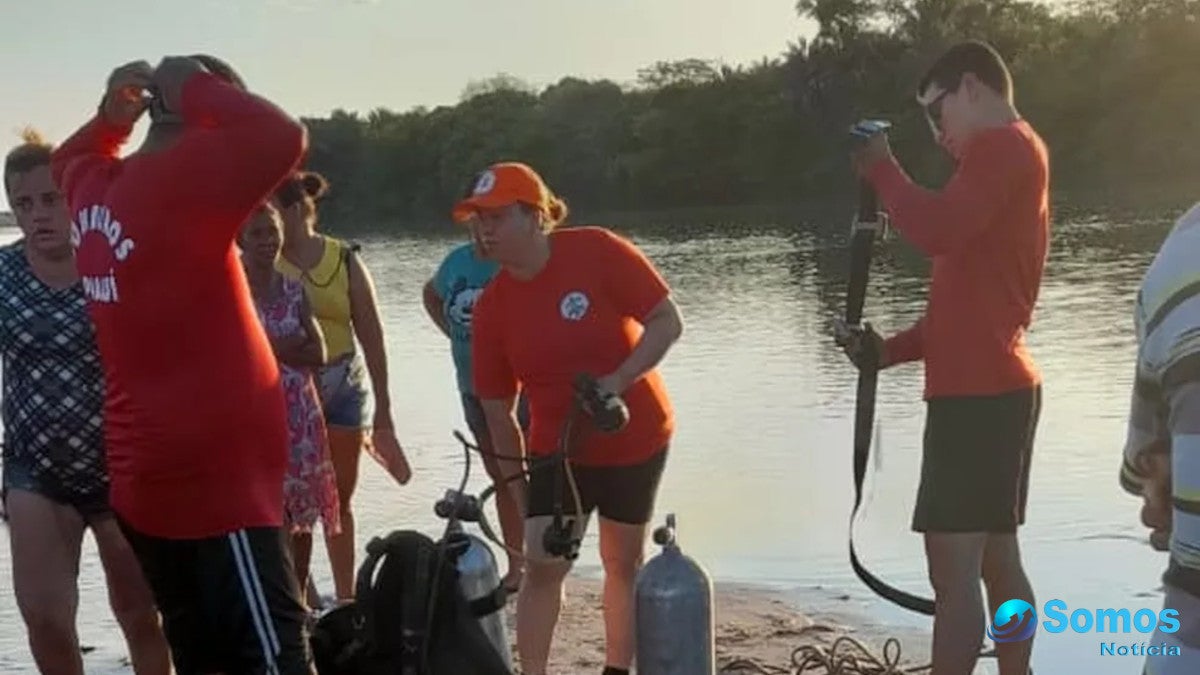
<point x="54" y="482"/>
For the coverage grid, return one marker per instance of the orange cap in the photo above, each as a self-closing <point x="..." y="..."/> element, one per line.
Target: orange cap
<point x="503" y="184"/>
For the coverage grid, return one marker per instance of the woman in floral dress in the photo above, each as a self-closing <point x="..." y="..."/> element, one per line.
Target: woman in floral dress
<point x="310" y="488"/>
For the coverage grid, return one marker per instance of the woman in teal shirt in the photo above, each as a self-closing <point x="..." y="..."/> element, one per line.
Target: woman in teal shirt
<point x="449" y="297"/>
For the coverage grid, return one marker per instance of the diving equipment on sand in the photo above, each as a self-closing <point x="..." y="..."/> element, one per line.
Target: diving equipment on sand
<point x="674" y="621"/>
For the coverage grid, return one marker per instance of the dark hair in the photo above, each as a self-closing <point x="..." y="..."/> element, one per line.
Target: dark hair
<point x="219" y="68"/>
<point x="33" y="152"/>
<point x="975" y="57"/>
<point x="301" y="185"/>
<point x="160" y="116"/>
<point x="266" y="208"/>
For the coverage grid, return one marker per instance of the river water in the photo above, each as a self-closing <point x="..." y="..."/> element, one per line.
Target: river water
<point x="760" y="472"/>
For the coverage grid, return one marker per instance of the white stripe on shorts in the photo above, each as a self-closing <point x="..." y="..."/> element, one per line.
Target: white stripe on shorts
<point x="255" y="600"/>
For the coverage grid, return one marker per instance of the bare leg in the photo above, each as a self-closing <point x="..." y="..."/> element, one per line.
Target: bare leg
<point x="955" y="567"/>
<point x="132" y="601"/>
<point x="1005" y="578"/>
<point x="512" y="527"/>
<point x="45" y="540"/>
<point x="539" y="601"/>
<point x="621" y="549"/>
<point x="302" y="543"/>
<point x="345" y="449"/>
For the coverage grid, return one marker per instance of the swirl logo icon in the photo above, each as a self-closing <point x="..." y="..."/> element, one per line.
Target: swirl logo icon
<point x="1015" y="621"/>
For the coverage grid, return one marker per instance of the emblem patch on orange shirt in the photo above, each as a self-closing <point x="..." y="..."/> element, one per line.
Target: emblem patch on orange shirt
<point x="574" y="305"/>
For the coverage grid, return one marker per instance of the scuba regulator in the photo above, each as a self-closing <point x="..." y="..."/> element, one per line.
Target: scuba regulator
<point x="607" y="410"/>
<point x="559" y="539"/>
<point x="609" y="415"/>
<point x="455" y="505"/>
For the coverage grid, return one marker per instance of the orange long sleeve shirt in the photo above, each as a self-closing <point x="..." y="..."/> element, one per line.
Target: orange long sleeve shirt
<point x="987" y="233"/>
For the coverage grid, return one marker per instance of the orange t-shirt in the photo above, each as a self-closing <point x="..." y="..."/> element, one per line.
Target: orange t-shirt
<point x="580" y="314"/>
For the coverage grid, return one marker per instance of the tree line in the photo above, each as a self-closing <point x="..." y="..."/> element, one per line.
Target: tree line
<point x="1110" y="84"/>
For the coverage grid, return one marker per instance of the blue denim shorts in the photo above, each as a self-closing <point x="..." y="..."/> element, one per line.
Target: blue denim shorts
<point x="346" y="393"/>
<point x="477" y="421"/>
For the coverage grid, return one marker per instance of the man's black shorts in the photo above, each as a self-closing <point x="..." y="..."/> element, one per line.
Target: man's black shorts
<point x="975" y="469"/>
<point x="229" y="604"/>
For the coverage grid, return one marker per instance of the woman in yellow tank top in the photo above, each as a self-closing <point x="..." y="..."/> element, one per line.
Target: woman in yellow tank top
<point x="342" y="296"/>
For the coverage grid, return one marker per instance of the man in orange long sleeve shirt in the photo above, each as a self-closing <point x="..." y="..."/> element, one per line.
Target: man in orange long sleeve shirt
<point x="986" y="232"/>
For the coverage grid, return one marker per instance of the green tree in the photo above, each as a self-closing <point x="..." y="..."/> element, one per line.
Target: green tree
<point x="1108" y="83"/>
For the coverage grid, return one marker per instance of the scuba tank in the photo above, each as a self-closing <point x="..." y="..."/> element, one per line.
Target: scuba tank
<point x="478" y="577"/>
<point x="674" y="612"/>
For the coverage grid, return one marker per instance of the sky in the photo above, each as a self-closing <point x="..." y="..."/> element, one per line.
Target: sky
<point x="312" y="56"/>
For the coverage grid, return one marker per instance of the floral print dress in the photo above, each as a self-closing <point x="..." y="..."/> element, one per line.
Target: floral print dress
<point x="310" y="488"/>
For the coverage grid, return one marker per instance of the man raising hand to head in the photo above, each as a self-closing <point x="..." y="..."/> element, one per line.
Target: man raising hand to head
<point x="195" y="424"/>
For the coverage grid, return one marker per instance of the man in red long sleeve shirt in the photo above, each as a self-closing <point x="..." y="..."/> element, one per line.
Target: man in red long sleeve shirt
<point x="986" y="232"/>
<point x="195" y="420"/>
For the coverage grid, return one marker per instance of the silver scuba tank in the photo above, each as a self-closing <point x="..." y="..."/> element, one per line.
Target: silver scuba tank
<point x="476" y="564"/>
<point x="477" y="577"/>
<point x="674" y="612"/>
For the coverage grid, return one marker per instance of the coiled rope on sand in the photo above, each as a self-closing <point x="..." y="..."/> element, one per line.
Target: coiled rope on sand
<point x="846" y="656"/>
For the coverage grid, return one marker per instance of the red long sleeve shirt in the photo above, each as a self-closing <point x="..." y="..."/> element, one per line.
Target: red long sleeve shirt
<point x="195" y="420"/>
<point x="987" y="233"/>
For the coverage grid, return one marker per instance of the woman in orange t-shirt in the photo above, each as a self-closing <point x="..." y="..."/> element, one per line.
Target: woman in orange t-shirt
<point x="568" y="302"/>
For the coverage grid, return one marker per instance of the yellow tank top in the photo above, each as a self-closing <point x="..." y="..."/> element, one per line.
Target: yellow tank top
<point x="327" y="287"/>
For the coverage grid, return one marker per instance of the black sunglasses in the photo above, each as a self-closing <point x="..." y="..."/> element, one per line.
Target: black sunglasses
<point x="933" y="111"/>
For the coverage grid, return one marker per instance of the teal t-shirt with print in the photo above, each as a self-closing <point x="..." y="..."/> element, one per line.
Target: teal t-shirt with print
<point x="459" y="281"/>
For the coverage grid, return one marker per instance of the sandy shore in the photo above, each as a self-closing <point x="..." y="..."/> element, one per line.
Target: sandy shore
<point x="752" y="624"/>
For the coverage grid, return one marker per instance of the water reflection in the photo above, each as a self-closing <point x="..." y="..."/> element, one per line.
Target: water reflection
<point x="760" y="469"/>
